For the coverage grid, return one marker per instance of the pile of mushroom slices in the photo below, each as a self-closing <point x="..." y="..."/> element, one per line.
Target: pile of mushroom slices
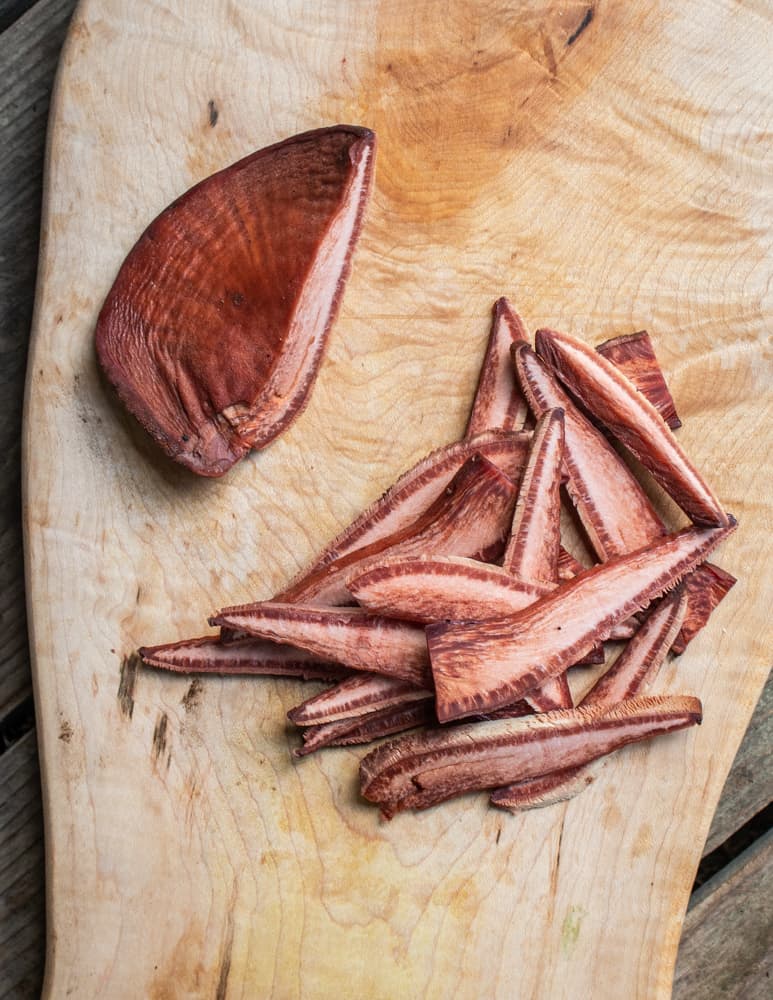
<point x="451" y="608"/>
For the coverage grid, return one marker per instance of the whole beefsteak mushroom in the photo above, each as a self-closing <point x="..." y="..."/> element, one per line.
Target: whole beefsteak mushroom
<point x="215" y="327"/>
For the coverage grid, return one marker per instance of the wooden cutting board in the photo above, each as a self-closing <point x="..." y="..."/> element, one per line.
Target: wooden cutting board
<point x="602" y="164"/>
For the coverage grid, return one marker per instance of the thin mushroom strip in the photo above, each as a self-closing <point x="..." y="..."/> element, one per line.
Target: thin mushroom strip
<point x="480" y="666"/>
<point x="352" y="636"/>
<point x="533" y="551"/>
<point x="246" y="656"/>
<point x="633" y="671"/>
<point x="633" y="420"/>
<point x="356" y="696"/>
<point x="638" y="664"/>
<point x="498" y="399"/>
<point x="534" y="547"/>
<point x="422" y="770"/>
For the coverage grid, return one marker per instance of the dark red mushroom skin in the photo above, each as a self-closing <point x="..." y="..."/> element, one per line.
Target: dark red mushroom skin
<point x="215" y="327"/>
<point x="499" y="402"/>
<point x="634" y="355"/>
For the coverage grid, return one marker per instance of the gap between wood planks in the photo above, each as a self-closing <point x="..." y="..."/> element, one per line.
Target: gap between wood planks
<point x="712" y="863"/>
<point x="16" y="723"/>
<point x="12" y="10"/>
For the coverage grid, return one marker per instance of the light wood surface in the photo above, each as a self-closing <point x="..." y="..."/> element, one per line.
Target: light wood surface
<point x="606" y="187"/>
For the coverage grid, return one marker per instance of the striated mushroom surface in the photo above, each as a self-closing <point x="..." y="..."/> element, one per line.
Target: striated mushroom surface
<point x="215" y="327"/>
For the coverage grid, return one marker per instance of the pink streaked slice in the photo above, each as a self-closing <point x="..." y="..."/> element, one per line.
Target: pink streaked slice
<point x="633" y="420"/>
<point x="352" y="636"/>
<point x="498" y="399"/>
<point x="430" y="767"/>
<point x="480" y="666"/>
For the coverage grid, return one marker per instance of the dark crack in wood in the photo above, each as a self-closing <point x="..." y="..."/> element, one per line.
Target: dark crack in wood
<point x="128" y="680"/>
<point x="581" y="27"/>
<point x="225" y="961"/>
<point x="159" y="737"/>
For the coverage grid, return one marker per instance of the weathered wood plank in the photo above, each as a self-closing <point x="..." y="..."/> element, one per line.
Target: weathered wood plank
<point x="749" y="785"/>
<point x="28" y="54"/>
<point x="727" y="942"/>
<point x="22" y="916"/>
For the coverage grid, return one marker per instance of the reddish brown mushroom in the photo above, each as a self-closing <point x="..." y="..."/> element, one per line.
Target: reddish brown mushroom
<point x="217" y="322"/>
<point x="443" y="638"/>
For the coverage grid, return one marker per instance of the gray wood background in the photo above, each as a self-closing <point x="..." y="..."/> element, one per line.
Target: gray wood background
<point x="727" y="943"/>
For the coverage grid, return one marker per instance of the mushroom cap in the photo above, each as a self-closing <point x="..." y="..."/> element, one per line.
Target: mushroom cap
<point x="215" y="327"/>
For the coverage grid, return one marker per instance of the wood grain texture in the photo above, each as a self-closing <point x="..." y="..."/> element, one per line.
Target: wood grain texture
<point x="606" y="196"/>
<point x="728" y="932"/>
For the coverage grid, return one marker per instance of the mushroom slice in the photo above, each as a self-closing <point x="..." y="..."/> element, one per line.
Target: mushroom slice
<point x="498" y="399"/>
<point x="352" y="636"/>
<point x="533" y="551"/>
<point x="614" y="509"/>
<point x="365" y="728"/>
<point x="422" y="770"/>
<point x="207" y="655"/>
<point x="633" y="420"/>
<point x="638" y="664"/>
<point x="704" y="588"/>
<point x="544" y="790"/>
<point x="215" y="327"/>
<point x="534" y="548"/>
<point x="633" y="671"/>
<point x="428" y="589"/>
<point x="416" y="490"/>
<point x="355" y="696"/>
<point x="634" y="355"/>
<point x="480" y="666"/>
<point x="471" y="517"/>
